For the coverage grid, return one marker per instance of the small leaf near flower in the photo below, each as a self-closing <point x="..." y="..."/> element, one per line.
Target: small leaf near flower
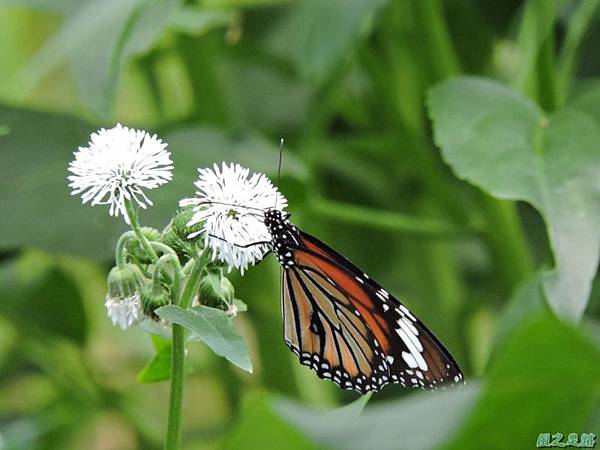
<point x="159" y="368"/>
<point x="213" y="327"/>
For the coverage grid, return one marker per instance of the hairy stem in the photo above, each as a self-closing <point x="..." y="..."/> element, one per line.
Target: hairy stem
<point x="173" y="440"/>
<point x="135" y="226"/>
<point x="120" y="250"/>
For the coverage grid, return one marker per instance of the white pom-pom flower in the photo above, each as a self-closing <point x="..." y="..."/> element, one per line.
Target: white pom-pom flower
<point x="124" y="311"/>
<point x="117" y="166"/>
<point x="230" y="203"/>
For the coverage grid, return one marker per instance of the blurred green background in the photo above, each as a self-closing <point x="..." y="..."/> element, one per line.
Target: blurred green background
<point x="476" y="202"/>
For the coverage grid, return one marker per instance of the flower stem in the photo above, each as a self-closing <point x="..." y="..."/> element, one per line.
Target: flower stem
<point x="173" y="439"/>
<point x="120" y="250"/>
<point x="165" y="259"/>
<point x="135" y="226"/>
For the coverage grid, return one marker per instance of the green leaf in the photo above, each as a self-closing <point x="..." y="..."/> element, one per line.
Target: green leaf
<point x="198" y="21"/>
<point x="500" y="141"/>
<point x="326" y="30"/>
<point x="40" y="298"/>
<point x="213" y="327"/>
<point x="159" y="368"/>
<point x="259" y="427"/>
<point x="422" y="421"/>
<point x="98" y="39"/>
<point x="527" y="301"/>
<point x="587" y="98"/>
<point x="546" y="366"/>
<point x="35" y="202"/>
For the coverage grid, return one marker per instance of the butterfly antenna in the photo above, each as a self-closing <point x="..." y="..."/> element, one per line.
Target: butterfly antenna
<point x="281" y="143"/>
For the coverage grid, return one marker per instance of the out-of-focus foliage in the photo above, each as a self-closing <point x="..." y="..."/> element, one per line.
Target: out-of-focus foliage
<point x="449" y="148"/>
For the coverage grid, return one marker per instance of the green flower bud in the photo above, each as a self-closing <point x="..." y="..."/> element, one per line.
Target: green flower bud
<point x="153" y="297"/>
<point x="183" y="249"/>
<point x="180" y="221"/>
<point x="125" y="281"/>
<point x="134" y="248"/>
<point x="176" y="232"/>
<point x="216" y="290"/>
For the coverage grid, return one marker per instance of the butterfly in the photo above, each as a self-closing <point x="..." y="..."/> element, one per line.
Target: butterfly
<point x="345" y="326"/>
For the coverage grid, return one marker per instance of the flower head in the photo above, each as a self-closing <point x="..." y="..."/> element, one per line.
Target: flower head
<point x="124" y="311"/>
<point x="118" y="165"/>
<point x="230" y="203"/>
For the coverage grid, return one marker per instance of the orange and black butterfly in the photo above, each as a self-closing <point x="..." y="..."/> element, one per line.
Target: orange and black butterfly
<point x="344" y="325"/>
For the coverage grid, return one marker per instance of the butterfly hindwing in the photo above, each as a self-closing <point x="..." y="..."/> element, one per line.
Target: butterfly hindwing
<point x="322" y="328"/>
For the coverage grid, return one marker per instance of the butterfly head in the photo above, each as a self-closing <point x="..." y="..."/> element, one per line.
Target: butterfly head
<point x="276" y="220"/>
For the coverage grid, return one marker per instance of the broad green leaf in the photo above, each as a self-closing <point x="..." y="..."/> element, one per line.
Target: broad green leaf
<point x="528" y="300"/>
<point x="498" y="140"/>
<point x="128" y="28"/>
<point x="36" y="206"/>
<point x="422" y="421"/>
<point x="98" y="38"/>
<point x="587" y="98"/>
<point x="259" y="427"/>
<point x="213" y="327"/>
<point x="40" y="298"/>
<point x="159" y="368"/>
<point x="324" y="31"/>
<point x="198" y="21"/>
<point x="546" y="366"/>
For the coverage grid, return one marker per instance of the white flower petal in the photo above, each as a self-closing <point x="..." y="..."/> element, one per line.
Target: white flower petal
<point x="124" y="312"/>
<point x="231" y="202"/>
<point x="117" y="165"/>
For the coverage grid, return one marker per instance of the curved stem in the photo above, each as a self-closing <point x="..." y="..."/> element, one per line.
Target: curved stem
<point x="120" y="250"/>
<point x="173" y="439"/>
<point x="164" y="249"/>
<point x="159" y="267"/>
<point x="135" y="226"/>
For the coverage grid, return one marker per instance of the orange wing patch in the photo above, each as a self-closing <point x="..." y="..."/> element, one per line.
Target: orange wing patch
<point x="351" y="288"/>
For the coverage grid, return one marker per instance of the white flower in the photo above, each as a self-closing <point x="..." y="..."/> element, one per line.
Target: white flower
<point x="230" y="202"/>
<point x="124" y="311"/>
<point x="117" y="165"/>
